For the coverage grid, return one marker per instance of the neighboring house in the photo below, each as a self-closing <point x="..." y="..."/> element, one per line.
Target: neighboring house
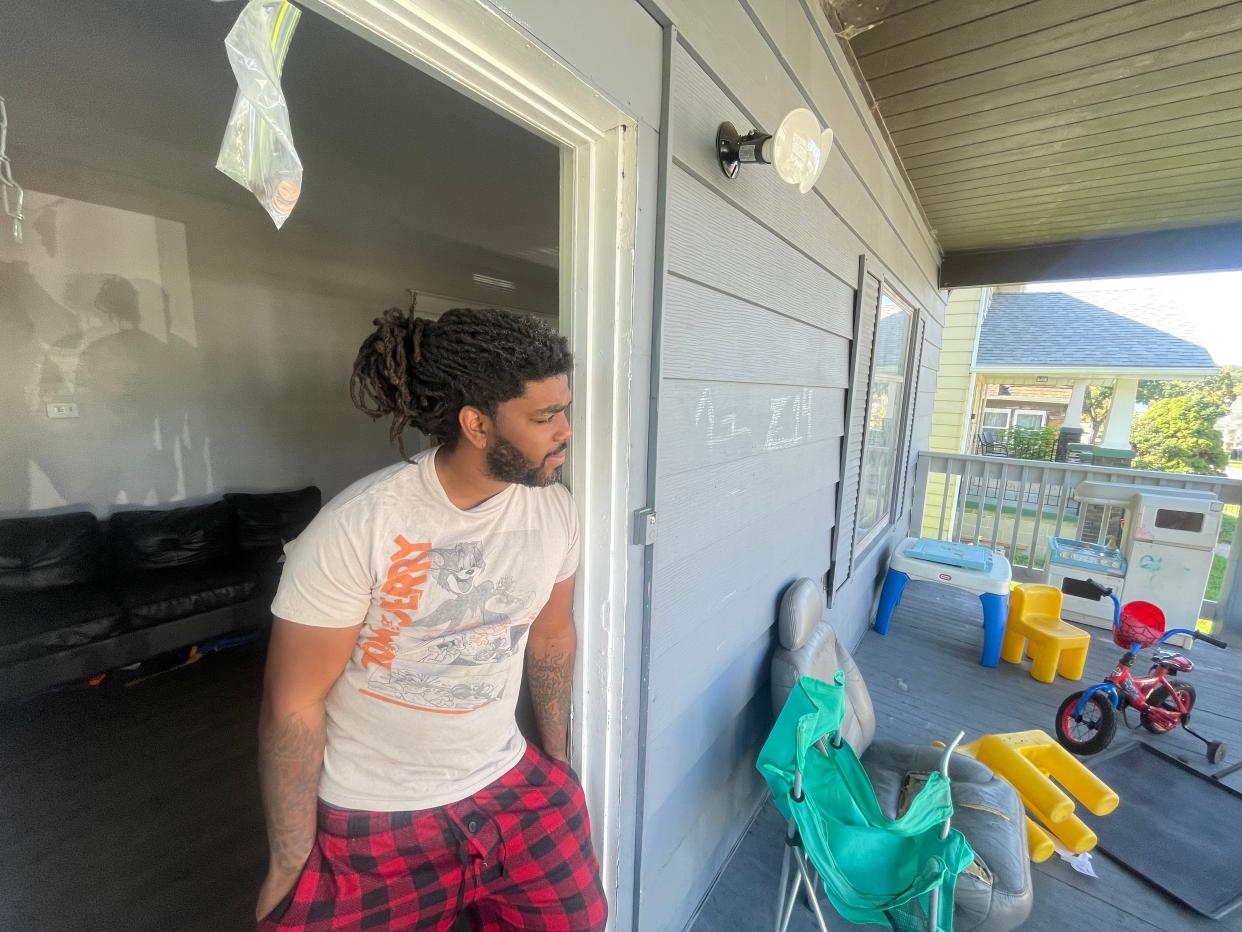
<point x="1025" y="359"/>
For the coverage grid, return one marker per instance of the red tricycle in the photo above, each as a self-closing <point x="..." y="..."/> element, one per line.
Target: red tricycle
<point x="1087" y="720"/>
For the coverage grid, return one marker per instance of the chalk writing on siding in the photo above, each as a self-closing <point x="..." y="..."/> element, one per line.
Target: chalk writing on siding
<point x="722" y="429"/>
<point x="790" y="420"/>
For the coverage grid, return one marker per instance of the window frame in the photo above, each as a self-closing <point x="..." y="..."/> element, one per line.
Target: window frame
<point x="888" y="517"/>
<point x="1008" y="412"/>
<point x="1043" y="418"/>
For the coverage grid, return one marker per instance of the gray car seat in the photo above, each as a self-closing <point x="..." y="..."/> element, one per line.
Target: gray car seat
<point x="994" y="894"/>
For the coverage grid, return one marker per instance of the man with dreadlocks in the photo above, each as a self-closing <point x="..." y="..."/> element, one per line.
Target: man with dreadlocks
<point x="398" y="790"/>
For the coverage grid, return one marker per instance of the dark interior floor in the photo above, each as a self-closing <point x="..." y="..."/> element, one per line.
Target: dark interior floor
<point x="926" y="684"/>
<point x="135" y="807"/>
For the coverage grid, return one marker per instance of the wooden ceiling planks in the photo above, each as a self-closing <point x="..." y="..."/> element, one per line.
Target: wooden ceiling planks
<point x="1032" y="121"/>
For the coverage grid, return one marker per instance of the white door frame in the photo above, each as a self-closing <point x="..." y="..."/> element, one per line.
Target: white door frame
<point x="471" y="47"/>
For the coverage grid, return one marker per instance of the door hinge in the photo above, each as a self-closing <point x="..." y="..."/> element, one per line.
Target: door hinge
<point x="645" y="527"/>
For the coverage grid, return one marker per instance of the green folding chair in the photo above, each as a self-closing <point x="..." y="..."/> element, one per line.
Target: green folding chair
<point x="899" y="872"/>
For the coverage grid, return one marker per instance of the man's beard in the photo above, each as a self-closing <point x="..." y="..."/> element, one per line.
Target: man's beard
<point x="506" y="463"/>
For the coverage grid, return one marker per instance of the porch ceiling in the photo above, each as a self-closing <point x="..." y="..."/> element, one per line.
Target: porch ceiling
<point x="1025" y="122"/>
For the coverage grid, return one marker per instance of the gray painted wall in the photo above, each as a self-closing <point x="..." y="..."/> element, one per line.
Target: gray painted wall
<point x="756" y="338"/>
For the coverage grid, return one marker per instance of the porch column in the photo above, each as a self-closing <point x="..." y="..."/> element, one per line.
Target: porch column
<point x="1073" y="414"/>
<point x="1121" y="415"/>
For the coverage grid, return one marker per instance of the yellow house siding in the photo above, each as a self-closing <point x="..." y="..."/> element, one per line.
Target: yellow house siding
<point x="953" y="389"/>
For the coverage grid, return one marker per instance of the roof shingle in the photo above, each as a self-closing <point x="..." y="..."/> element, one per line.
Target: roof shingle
<point x="1123" y="330"/>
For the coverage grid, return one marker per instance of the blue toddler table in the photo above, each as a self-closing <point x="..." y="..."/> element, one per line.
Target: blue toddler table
<point x="966" y="566"/>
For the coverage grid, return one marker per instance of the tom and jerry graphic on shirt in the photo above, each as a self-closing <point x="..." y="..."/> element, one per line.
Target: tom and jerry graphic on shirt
<point x="445" y="631"/>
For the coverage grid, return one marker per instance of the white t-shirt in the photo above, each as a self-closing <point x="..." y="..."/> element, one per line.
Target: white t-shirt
<point x="423" y="715"/>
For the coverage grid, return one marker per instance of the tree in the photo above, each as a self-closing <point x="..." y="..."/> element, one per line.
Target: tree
<point x="1177" y="435"/>
<point x="1095" y="404"/>
<point x="1224" y="386"/>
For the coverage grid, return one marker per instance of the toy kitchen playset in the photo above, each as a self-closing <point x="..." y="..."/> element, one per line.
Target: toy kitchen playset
<point x="1163" y="556"/>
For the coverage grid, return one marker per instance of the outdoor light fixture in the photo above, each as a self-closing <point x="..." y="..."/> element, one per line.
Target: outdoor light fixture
<point x="799" y="149"/>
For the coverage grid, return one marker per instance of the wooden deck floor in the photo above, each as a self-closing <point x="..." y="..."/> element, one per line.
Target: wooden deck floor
<point x="926" y="684"/>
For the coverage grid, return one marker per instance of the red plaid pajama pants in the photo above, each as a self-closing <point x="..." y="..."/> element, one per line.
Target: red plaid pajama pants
<point x="515" y="855"/>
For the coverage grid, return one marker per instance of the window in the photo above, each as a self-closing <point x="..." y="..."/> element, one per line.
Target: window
<point x="1171" y="520"/>
<point x="996" y="418"/>
<point x="1029" y="419"/>
<point x="883" y="427"/>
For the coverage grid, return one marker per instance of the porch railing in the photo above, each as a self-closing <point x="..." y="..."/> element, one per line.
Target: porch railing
<point x="1014" y="506"/>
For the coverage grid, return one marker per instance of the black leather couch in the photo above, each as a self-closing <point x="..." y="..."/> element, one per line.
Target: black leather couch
<point x="79" y="596"/>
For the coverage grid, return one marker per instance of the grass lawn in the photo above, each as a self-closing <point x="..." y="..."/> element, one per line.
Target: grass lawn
<point x="1228" y="528"/>
<point x="1215" y="578"/>
<point x="1229" y="523"/>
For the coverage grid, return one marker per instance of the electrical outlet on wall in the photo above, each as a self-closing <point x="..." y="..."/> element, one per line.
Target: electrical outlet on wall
<point x="62" y="409"/>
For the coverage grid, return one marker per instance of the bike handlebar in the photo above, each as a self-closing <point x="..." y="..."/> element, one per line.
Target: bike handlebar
<point x="1106" y="591"/>
<point x="1116" y="603"/>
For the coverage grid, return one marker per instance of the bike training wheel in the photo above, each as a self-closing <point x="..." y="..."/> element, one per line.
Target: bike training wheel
<point x="1091" y="732"/>
<point x="1163" y="699"/>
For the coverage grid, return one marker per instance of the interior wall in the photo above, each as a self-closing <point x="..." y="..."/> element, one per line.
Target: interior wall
<point x="205" y="351"/>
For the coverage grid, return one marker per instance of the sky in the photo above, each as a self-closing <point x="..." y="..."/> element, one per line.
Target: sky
<point x="1212" y="300"/>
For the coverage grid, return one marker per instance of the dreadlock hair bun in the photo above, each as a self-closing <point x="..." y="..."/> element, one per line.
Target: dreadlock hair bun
<point x="422" y="372"/>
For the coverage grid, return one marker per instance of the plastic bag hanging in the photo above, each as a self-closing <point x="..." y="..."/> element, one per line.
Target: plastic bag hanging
<point x="257" y="151"/>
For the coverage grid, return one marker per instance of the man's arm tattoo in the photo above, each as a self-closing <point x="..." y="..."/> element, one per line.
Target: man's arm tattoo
<point x="290" y="761"/>
<point x="550" y="674"/>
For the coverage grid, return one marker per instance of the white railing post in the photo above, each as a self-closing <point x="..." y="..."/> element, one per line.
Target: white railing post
<point x="1032" y="569"/>
<point x="1002" y="492"/>
<point x="944" y="505"/>
<point x="922" y="469"/>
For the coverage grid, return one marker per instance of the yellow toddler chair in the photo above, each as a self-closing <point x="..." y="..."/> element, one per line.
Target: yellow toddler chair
<point x="1054" y="646"/>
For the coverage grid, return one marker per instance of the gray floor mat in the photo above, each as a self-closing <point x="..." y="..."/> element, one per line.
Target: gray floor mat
<point x="1176" y="828"/>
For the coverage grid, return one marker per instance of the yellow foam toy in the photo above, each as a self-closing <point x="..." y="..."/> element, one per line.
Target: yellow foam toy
<point x="1036" y="629"/>
<point x="1029" y="761"/>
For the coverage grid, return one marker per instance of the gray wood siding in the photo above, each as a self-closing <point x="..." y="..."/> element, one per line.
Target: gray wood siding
<point x="789" y="60"/>
<point x="757" y="335"/>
